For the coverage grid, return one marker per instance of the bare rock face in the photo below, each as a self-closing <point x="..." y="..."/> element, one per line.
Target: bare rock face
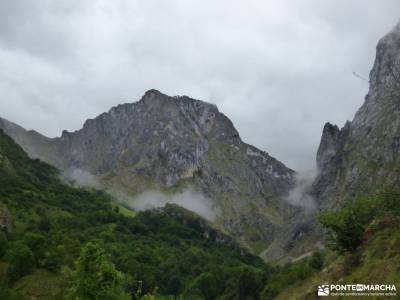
<point x="329" y="145"/>
<point x="364" y="156"/>
<point x="167" y="143"/>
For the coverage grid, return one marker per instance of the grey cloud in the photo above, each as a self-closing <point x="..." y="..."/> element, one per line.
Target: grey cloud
<point x="278" y="69"/>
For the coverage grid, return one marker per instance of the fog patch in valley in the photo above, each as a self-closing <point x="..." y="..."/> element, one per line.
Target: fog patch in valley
<point x="189" y="199"/>
<point x="81" y="178"/>
<point x="299" y="196"/>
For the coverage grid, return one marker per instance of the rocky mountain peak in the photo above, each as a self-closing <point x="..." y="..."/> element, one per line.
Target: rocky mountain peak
<point x="328" y="145"/>
<point x="331" y="140"/>
<point x="385" y="74"/>
<point x="365" y="155"/>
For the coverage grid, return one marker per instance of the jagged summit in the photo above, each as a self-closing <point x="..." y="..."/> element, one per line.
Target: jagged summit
<point x="155" y="103"/>
<point x="385" y="74"/>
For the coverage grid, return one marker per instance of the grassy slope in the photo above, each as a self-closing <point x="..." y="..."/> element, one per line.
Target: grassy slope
<point x="379" y="264"/>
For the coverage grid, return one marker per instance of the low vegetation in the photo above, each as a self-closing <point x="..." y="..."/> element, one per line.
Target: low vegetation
<point x="365" y="235"/>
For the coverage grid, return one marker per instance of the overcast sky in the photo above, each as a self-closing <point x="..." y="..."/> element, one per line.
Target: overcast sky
<point x="278" y="69"/>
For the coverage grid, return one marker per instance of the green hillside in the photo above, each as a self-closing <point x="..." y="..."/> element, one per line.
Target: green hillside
<point x="52" y="221"/>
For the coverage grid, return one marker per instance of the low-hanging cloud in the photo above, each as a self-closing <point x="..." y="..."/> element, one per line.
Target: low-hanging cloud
<point x="189" y="199"/>
<point x="299" y="196"/>
<point x="81" y="178"/>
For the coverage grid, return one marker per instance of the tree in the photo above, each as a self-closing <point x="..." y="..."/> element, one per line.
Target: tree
<point x="22" y="261"/>
<point x="347" y="225"/>
<point x="174" y="285"/>
<point x="44" y="223"/>
<point x="54" y="258"/>
<point x="95" y="277"/>
<point x="249" y="286"/>
<point x="37" y="243"/>
<point x="203" y="287"/>
<point x="317" y="260"/>
<point x="3" y="244"/>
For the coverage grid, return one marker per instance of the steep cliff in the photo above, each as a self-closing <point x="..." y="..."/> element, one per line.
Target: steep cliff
<point x="364" y="156"/>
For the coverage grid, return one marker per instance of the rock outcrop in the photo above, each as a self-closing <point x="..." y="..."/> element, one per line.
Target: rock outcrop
<point x="364" y="156"/>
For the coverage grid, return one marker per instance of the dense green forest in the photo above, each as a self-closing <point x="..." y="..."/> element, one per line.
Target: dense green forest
<point x="66" y="242"/>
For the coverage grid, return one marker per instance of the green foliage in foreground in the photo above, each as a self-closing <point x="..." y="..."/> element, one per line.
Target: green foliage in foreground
<point x="346" y="226"/>
<point x="96" y="277"/>
<point x="369" y="254"/>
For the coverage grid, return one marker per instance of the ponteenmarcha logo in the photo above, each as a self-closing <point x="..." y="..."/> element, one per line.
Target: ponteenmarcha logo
<point x="356" y="290"/>
<point x="323" y="290"/>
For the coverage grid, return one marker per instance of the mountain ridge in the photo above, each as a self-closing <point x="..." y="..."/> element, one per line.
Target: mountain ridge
<point x="172" y="143"/>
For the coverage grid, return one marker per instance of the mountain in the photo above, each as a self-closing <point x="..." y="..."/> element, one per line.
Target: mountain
<point x="170" y="144"/>
<point x="363" y="157"/>
<point x="45" y="223"/>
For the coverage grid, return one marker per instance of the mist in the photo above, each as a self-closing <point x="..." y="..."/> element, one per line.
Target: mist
<point x="81" y="178"/>
<point x="299" y="196"/>
<point x="189" y="199"/>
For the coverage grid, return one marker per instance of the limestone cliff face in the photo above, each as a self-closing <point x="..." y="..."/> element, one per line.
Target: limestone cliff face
<point x="364" y="156"/>
<point x="167" y="143"/>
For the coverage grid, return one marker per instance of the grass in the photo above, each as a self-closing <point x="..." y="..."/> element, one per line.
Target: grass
<point x="41" y="284"/>
<point x="124" y="210"/>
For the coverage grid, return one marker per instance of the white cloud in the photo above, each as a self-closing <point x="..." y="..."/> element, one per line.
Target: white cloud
<point x="188" y="199"/>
